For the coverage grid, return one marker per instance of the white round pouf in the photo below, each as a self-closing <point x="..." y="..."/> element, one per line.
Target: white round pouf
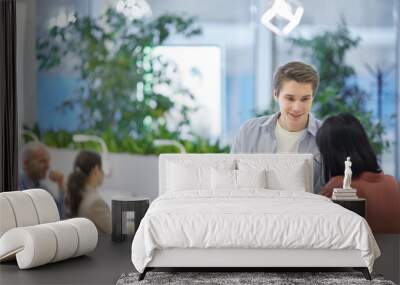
<point x="23" y="208"/>
<point x="45" y="205"/>
<point x="33" y="246"/>
<point x="30" y="230"/>
<point x="87" y="235"/>
<point x="6" y="215"/>
<point x="67" y="240"/>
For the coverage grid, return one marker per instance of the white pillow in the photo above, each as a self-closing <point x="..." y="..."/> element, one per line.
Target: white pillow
<point x="223" y="179"/>
<point x="193" y="174"/>
<point x="188" y="177"/>
<point x="251" y="178"/>
<point x="226" y="179"/>
<point x="288" y="174"/>
<point x="293" y="180"/>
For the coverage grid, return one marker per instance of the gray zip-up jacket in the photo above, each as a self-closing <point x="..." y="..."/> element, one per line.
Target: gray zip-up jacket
<point x="257" y="135"/>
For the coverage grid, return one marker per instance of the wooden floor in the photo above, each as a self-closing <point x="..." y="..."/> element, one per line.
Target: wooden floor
<point x="102" y="266"/>
<point x="111" y="259"/>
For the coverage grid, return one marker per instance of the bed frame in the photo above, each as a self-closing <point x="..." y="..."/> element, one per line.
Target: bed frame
<point x="248" y="259"/>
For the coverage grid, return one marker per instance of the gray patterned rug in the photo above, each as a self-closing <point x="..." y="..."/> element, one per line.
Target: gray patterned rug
<point x="228" y="278"/>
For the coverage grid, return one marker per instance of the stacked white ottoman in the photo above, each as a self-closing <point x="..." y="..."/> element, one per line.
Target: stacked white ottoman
<point x="31" y="230"/>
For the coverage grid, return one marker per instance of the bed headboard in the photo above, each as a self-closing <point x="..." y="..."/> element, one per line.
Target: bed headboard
<point x="281" y="163"/>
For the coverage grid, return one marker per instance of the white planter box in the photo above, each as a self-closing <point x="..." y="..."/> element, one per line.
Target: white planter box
<point x="130" y="174"/>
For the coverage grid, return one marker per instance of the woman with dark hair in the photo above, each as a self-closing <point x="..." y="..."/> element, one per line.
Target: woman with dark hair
<point x="343" y="136"/>
<point x="82" y="198"/>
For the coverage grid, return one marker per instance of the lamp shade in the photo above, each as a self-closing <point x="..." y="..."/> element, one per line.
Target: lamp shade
<point x="284" y="10"/>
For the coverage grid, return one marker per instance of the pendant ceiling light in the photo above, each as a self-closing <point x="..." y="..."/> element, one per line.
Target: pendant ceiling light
<point x="285" y="11"/>
<point x="134" y="9"/>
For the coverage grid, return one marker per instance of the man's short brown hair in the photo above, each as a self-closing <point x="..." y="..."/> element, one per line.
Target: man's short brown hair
<point x="297" y="71"/>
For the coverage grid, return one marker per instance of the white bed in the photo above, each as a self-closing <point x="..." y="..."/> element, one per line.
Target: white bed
<point x="224" y="210"/>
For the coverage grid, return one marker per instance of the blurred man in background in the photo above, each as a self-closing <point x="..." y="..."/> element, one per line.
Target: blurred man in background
<point x="35" y="165"/>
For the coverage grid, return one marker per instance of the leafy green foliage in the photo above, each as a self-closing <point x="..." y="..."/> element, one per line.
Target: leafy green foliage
<point x="63" y="139"/>
<point x="125" y="94"/>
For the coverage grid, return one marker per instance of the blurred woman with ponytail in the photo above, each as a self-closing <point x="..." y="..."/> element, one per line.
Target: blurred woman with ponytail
<point x="82" y="198"/>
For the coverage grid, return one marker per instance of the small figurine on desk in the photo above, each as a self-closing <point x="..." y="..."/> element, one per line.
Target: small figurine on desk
<point x="347" y="174"/>
<point x="345" y="193"/>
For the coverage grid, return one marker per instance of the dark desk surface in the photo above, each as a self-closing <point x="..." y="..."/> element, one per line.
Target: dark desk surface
<point x="102" y="266"/>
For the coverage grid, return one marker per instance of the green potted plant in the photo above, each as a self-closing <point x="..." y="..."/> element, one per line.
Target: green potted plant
<point x="119" y="97"/>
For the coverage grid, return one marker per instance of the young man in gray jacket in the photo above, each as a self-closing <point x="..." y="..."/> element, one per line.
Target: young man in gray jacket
<point x="293" y="128"/>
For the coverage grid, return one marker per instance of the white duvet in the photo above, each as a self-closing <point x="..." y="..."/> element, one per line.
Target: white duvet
<point x="250" y="219"/>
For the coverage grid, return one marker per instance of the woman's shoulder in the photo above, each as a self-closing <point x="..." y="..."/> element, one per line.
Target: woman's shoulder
<point x="391" y="179"/>
<point x="370" y="182"/>
<point x="379" y="177"/>
<point x="92" y="199"/>
<point x="392" y="182"/>
<point x="334" y="182"/>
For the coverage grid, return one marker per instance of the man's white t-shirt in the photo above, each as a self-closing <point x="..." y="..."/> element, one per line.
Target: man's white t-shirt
<point x="287" y="142"/>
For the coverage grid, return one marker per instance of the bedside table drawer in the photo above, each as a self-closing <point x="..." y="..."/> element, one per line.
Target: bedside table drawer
<point x="357" y="205"/>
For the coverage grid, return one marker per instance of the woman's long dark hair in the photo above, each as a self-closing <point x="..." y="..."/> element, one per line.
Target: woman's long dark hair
<point x="83" y="165"/>
<point x="341" y="136"/>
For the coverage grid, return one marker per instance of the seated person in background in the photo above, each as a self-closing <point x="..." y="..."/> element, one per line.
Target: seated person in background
<point x="35" y="165"/>
<point x="82" y="198"/>
<point x="342" y="136"/>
